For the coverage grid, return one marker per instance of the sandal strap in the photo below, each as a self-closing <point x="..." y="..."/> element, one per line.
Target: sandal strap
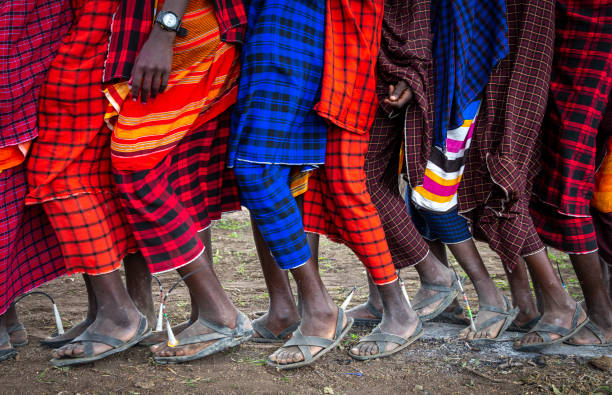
<point x="298" y="339"/>
<point x="201" y="338"/>
<point x="429" y="300"/>
<point x="216" y="327"/>
<point x="443" y="290"/>
<point x="220" y="331"/>
<point x="339" y="325"/>
<point x="263" y="330"/>
<point x="596" y="331"/>
<point x="373" y="310"/>
<point x="91" y="337"/>
<point x="4" y="338"/>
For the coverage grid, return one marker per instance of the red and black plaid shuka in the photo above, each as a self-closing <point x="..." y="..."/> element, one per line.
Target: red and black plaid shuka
<point x="579" y="93"/>
<point x="30" y="32"/>
<point x="337" y="202"/>
<point x="69" y="170"/>
<point x="168" y="205"/>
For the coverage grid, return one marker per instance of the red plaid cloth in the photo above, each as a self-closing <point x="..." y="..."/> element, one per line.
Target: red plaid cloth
<point x="30" y="254"/>
<point x="170" y="203"/>
<point x="30" y="32"/>
<point x="338" y="204"/>
<point x="133" y="22"/>
<point x="69" y="168"/>
<point x="579" y="92"/>
<point x="352" y="39"/>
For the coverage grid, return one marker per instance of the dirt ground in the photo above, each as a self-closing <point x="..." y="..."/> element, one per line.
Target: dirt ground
<point x="433" y="366"/>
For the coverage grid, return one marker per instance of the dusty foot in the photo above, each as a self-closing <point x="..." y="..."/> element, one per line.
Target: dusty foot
<point x="276" y="326"/>
<point x="404" y="328"/>
<point x="586" y="335"/>
<point x="195" y="329"/>
<point x="18" y="336"/>
<point x="445" y="279"/>
<point x="160" y="338"/>
<point x="559" y="318"/>
<point x="362" y="311"/>
<point x="124" y="332"/>
<point x="491" y="331"/>
<point x="321" y="326"/>
<point x="71" y="333"/>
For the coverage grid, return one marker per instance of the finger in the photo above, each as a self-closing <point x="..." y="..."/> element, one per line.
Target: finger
<point x="155" y="85"/>
<point x="164" y="82"/>
<point x="136" y="82"/>
<point x="146" y="86"/>
<point x="391" y="89"/>
<point x="399" y="90"/>
<point x="405" y="97"/>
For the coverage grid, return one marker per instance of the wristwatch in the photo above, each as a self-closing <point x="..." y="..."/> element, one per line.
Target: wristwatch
<point x="169" y="21"/>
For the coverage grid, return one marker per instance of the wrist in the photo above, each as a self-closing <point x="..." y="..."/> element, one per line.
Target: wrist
<point x="162" y="35"/>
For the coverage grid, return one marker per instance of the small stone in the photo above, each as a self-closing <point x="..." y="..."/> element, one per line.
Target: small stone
<point x="328" y="390"/>
<point x="418" y="387"/>
<point x="602" y="363"/>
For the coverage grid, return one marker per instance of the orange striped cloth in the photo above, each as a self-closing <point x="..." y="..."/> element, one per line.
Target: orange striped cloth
<point x="202" y="84"/>
<point x="602" y="195"/>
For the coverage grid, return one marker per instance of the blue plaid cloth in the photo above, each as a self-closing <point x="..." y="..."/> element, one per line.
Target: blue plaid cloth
<point x="282" y="68"/>
<point x="470" y="38"/>
<point x="448" y="227"/>
<point x="264" y="190"/>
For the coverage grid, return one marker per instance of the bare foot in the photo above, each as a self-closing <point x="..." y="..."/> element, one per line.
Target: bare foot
<point x="553" y="317"/>
<point x="423" y="293"/>
<point x="195" y="329"/>
<point x="158" y="339"/>
<point x="73" y="332"/>
<point x="404" y="328"/>
<point x="18" y="334"/>
<point x="123" y="332"/>
<point x="276" y="326"/>
<point x="491" y="331"/>
<point x="321" y="326"/>
<point x="364" y="312"/>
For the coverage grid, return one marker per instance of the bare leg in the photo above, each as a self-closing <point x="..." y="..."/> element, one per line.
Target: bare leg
<point x="468" y="257"/>
<point x="596" y="297"/>
<point x="398" y="319"/>
<point x="138" y="283"/>
<point x="521" y="294"/>
<point x="3" y="332"/>
<point x="319" y="313"/>
<point x="117" y="316"/>
<point x="92" y="309"/>
<point x="439" y="250"/>
<point x="557" y="306"/>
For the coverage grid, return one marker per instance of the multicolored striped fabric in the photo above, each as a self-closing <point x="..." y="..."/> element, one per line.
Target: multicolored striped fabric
<point x="469" y="39"/>
<point x="282" y="66"/>
<point x="191" y="187"/>
<point x="201" y="85"/>
<point x="438" y="192"/>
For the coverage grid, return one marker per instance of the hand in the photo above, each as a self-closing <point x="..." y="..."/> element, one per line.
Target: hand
<point x="153" y="64"/>
<point x="399" y="95"/>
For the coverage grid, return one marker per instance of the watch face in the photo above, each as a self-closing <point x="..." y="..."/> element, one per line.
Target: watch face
<point x="169" y="20"/>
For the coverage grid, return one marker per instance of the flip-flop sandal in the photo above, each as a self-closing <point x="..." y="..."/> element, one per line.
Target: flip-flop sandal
<point x="225" y="338"/>
<point x="268" y="337"/>
<point x="508" y="315"/>
<point x="16" y="328"/>
<point x="304" y="343"/>
<point x="382" y="338"/>
<point x="50" y="343"/>
<point x="9" y="352"/>
<point x="543" y="330"/>
<point x="145" y="343"/>
<point x="597" y="332"/>
<point x="89" y="338"/>
<point x="526" y="327"/>
<point x="450" y="317"/>
<point x="446" y="294"/>
<point x="369" y="321"/>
